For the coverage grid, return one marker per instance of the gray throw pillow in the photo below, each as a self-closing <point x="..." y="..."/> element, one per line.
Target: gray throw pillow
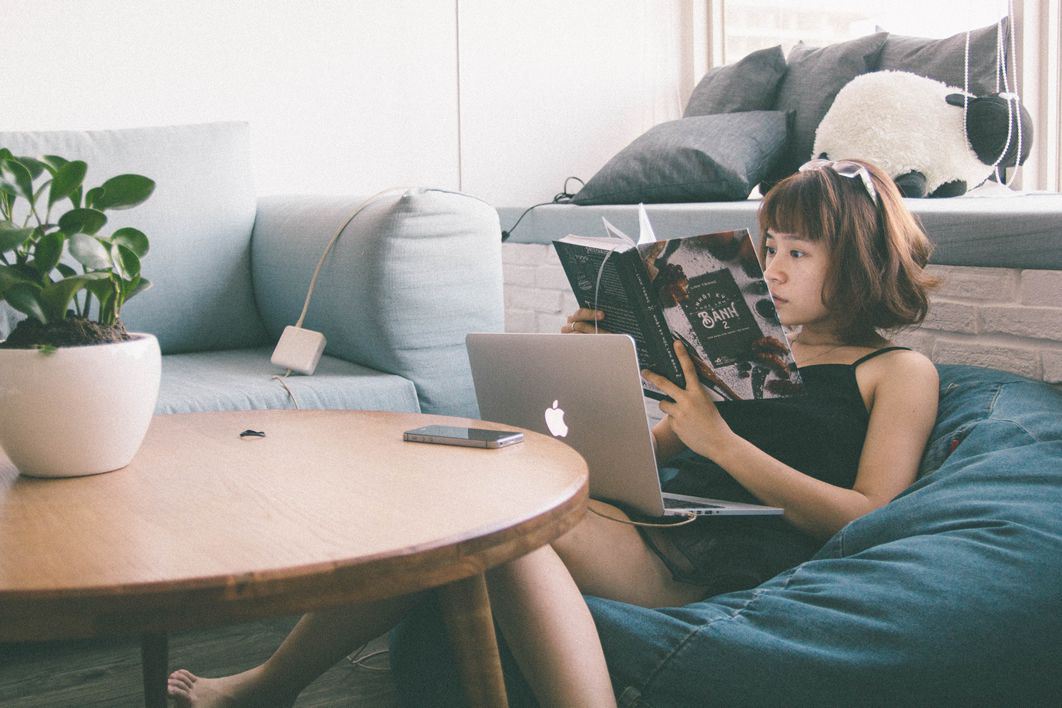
<point x="700" y="159"/>
<point x="746" y="85"/>
<point x="812" y="80"/>
<point x="944" y="59"/>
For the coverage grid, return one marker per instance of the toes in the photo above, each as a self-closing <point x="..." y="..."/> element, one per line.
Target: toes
<point x="175" y="686"/>
<point x="185" y="675"/>
<point x="182" y="680"/>
<point x="176" y="691"/>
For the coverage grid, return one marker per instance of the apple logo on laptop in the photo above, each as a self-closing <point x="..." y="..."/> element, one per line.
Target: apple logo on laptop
<point x="555" y="421"/>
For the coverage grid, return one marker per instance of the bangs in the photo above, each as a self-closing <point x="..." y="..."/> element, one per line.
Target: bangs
<point x="797" y="205"/>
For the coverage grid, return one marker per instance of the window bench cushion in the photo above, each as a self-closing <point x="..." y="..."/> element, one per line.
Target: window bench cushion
<point x="1022" y="231"/>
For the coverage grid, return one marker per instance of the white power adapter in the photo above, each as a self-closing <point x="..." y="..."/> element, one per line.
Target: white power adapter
<point x="299" y="350"/>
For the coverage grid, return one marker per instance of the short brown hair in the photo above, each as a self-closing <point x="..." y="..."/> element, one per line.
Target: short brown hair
<point x="876" y="279"/>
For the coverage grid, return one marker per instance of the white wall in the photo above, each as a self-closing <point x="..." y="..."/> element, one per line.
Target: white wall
<point x="503" y="100"/>
<point x="342" y="97"/>
<point x="551" y="89"/>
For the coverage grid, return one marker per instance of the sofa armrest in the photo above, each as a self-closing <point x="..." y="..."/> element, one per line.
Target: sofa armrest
<point x="403" y="285"/>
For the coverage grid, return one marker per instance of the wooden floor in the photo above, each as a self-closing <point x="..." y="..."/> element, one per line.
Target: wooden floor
<point x="107" y="673"/>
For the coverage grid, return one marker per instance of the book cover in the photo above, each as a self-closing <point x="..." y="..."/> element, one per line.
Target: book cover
<point x="608" y="274"/>
<point x="707" y="291"/>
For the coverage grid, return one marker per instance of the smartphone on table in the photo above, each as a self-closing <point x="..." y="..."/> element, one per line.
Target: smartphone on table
<point x="464" y="437"/>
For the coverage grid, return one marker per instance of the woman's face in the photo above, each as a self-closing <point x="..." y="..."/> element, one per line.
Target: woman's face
<point x="795" y="270"/>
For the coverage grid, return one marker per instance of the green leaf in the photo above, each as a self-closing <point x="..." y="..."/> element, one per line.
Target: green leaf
<point x="123" y="192"/>
<point x="25" y="297"/>
<point x="55" y="161"/>
<point x="11" y="236"/>
<point x="29" y="273"/>
<point x="89" y="252"/>
<point x="92" y="195"/>
<point x="106" y="291"/>
<point x="125" y="261"/>
<point x="5" y="153"/>
<point x="55" y="298"/>
<point x="132" y="239"/>
<point x="35" y="166"/>
<point x="17" y="175"/>
<point x="47" y="252"/>
<point x="9" y="277"/>
<point x="65" y="270"/>
<point x="138" y="286"/>
<point x="75" y="198"/>
<point x="101" y="287"/>
<point x="67" y="178"/>
<point x="86" y="221"/>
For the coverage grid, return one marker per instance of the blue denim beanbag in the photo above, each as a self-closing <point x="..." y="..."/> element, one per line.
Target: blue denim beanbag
<point x="949" y="595"/>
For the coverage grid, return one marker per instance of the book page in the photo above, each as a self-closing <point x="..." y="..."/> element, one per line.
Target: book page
<point x="616" y="233"/>
<point x="598" y="242"/>
<point x="645" y="229"/>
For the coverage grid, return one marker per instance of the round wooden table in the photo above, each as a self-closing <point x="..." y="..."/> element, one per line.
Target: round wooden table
<point x="329" y="508"/>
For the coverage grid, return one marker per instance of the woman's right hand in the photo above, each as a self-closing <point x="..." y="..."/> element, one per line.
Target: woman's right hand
<point x="584" y="321"/>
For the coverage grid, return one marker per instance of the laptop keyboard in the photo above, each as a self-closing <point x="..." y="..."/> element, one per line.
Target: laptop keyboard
<point x="670" y="503"/>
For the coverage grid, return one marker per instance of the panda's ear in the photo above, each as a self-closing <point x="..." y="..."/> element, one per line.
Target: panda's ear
<point x="956" y="99"/>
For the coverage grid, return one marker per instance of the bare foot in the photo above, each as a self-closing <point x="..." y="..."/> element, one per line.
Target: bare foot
<point x="187" y="690"/>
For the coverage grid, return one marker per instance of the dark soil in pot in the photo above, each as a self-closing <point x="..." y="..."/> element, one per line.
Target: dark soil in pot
<point x="71" y="332"/>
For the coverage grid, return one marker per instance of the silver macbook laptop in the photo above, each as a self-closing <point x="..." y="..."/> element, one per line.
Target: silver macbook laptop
<point x="585" y="390"/>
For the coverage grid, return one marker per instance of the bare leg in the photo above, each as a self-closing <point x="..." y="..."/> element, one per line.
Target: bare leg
<point x="313" y="646"/>
<point x="550" y="631"/>
<point x="610" y="559"/>
<point x="537" y="600"/>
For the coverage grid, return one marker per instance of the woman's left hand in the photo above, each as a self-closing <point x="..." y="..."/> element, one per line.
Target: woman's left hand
<point x="693" y="414"/>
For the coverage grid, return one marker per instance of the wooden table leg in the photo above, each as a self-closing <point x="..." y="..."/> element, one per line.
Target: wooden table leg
<point x="155" y="660"/>
<point x="466" y="612"/>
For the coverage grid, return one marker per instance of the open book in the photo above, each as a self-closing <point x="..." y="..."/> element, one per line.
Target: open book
<point x="707" y="291"/>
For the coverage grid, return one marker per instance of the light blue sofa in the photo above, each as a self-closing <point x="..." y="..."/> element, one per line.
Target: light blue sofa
<point x="409" y="277"/>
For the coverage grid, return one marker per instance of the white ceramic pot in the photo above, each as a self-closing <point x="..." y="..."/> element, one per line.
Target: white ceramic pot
<point x="78" y="410"/>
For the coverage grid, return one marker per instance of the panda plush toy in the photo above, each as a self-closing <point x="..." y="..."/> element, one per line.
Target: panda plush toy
<point x="913" y="129"/>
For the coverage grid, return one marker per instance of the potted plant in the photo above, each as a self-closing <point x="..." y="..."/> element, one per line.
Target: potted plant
<point x="77" y="391"/>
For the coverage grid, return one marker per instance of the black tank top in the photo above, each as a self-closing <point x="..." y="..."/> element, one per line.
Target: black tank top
<point x="819" y="433"/>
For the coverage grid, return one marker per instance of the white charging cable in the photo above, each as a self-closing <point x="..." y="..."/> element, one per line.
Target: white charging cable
<point x="300" y="349"/>
<point x="335" y="237"/>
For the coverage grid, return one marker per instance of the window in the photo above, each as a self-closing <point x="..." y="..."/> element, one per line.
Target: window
<point x="749" y="25"/>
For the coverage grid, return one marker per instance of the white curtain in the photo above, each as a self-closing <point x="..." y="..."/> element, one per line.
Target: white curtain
<point x="1040" y="52"/>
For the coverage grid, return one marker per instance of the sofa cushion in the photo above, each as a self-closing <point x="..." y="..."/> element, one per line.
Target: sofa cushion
<point x="407" y="280"/>
<point x="700" y="159"/>
<point x="812" y="79"/>
<point x="944" y="59"/>
<point x="746" y="85"/>
<point x="198" y="221"/>
<point x="241" y="379"/>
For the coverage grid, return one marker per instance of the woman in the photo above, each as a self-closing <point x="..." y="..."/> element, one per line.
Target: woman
<point x="844" y="262"/>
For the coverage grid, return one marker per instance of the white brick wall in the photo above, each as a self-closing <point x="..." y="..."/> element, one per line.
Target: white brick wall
<point x="998" y="317"/>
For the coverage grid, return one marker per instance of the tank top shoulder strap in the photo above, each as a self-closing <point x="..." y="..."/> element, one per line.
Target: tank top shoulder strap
<point x="875" y="353"/>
